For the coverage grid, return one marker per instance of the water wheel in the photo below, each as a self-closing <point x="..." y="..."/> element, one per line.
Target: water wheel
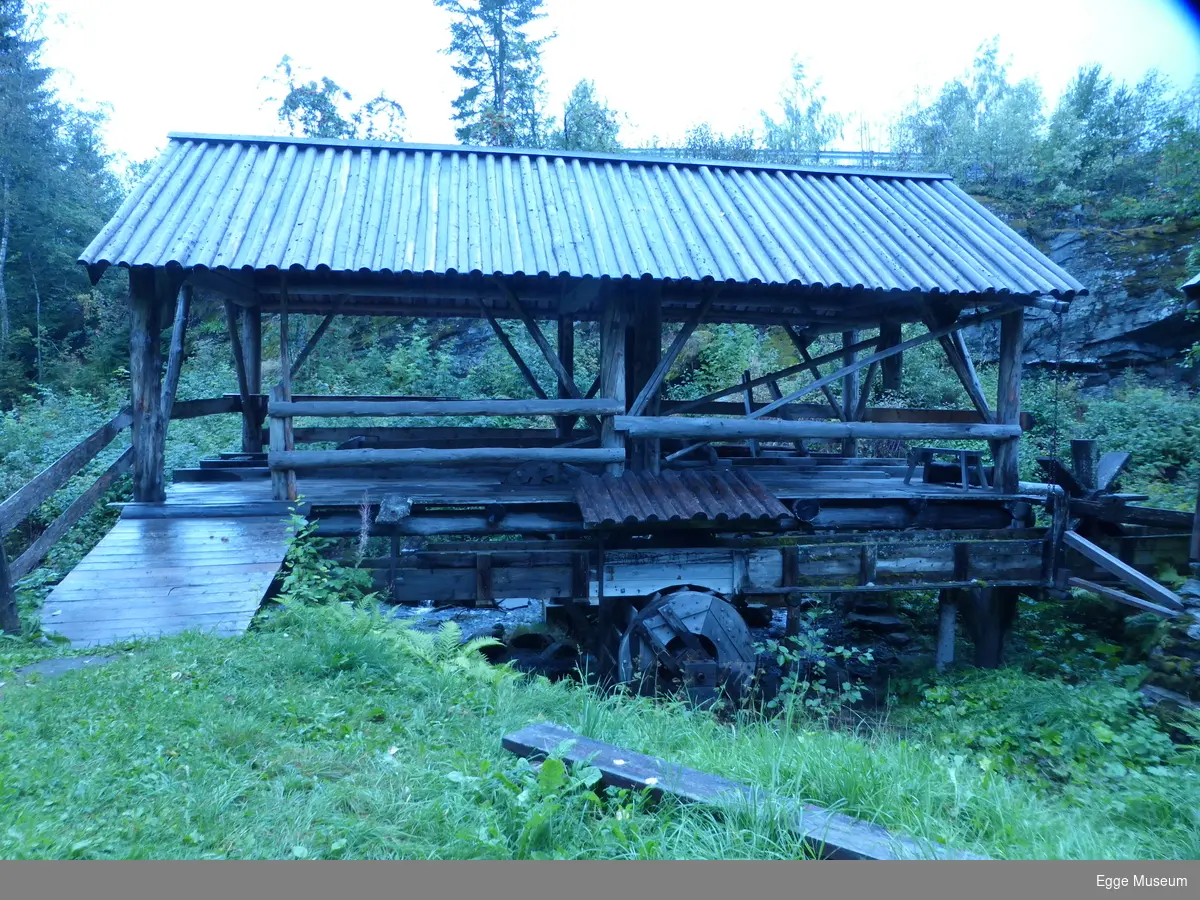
<point x="688" y="640"/>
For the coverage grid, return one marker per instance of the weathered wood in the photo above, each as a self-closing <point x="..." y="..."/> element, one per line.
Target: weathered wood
<point x="1111" y="510"/>
<point x="249" y="509"/>
<point x="279" y="478"/>
<point x="1123" y="571"/>
<point x="1194" y="543"/>
<point x="183" y="308"/>
<point x="514" y="355"/>
<point x="653" y="385"/>
<point x="313" y="340"/>
<point x="145" y="381"/>
<point x="208" y="406"/>
<point x="801" y="343"/>
<point x="40" y="488"/>
<point x="252" y="417"/>
<point x="788" y="413"/>
<point x="849" y="389"/>
<point x="1007" y="453"/>
<point x="643" y="361"/>
<point x="435" y="436"/>
<point x="564" y="425"/>
<point x="322" y="459"/>
<point x="78" y="508"/>
<point x="239" y="360"/>
<point x="768" y="429"/>
<point x="959" y="358"/>
<point x="864" y="397"/>
<point x="748" y="401"/>
<point x="285" y="364"/>
<point x="336" y="407"/>
<point x="1121" y="597"/>
<point x="612" y="372"/>
<point x="1083" y="462"/>
<point x="10" y="619"/>
<point x="893" y="366"/>
<point x="1110" y="467"/>
<point x="564" y="377"/>
<point x="947" y="626"/>
<point x="830" y="835"/>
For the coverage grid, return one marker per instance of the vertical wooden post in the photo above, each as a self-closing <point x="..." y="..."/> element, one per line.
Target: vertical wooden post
<point x="145" y="383"/>
<point x="612" y="368"/>
<point x="10" y="620"/>
<point x="285" y="393"/>
<point x="947" y="624"/>
<point x="252" y="419"/>
<point x="1008" y="401"/>
<point x="643" y="355"/>
<point x="893" y="367"/>
<point x="849" y="392"/>
<point x="566" y="355"/>
<point x="1194" y="547"/>
<point x="1083" y="463"/>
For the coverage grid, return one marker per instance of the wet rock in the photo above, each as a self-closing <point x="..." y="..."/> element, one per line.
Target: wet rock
<point x="879" y="622"/>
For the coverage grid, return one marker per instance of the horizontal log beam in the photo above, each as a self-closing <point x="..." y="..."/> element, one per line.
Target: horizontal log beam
<point x="337" y="407"/>
<point x="822" y="411"/>
<point x="1127" y="573"/>
<point x="211" y="406"/>
<point x="1112" y="593"/>
<point x="768" y="429"/>
<point x="323" y="459"/>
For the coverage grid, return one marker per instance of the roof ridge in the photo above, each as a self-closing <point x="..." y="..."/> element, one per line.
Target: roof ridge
<point x="627" y="157"/>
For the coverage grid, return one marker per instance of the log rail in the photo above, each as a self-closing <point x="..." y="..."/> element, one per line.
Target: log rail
<point x="17" y="508"/>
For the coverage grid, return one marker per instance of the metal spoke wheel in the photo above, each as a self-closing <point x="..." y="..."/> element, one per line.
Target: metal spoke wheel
<point x="691" y="640"/>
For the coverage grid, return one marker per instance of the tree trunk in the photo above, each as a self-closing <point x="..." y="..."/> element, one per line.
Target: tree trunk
<point x="5" y="321"/>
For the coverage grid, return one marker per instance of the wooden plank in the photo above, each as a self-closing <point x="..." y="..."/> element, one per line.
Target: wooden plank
<point x="1110" y="467"/>
<point x="210" y="406"/>
<point x="340" y="407"/>
<point x="80" y="507"/>
<point x="830" y="835"/>
<point x="321" y="459"/>
<point x="183" y="307"/>
<point x="252" y="509"/>
<point x="736" y="429"/>
<point x="1126" y="573"/>
<point x="1121" y="597"/>
<point x="40" y="488"/>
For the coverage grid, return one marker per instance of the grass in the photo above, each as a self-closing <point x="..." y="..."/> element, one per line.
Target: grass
<point x="323" y="735"/>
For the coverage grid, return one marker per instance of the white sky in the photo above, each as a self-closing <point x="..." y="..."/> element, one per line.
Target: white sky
<point x="198" y="65"/>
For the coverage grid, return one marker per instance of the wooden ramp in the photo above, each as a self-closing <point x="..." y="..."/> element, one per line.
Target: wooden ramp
<point x="153" y="577"/>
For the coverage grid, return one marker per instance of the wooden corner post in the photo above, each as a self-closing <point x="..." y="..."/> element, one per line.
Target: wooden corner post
<point x="612" y="367"/>
<point x="252" y="418"/>
<point x="643" y="353"/>
<point x="147" y="306"/>
<point x="1008" y="401"/>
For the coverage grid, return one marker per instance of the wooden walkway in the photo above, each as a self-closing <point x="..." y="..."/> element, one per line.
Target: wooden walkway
<point x="154" y="577"/>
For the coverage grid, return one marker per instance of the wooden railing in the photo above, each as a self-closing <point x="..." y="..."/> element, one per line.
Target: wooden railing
<point x="18" y="507"/>
<point x="284" y="461"/>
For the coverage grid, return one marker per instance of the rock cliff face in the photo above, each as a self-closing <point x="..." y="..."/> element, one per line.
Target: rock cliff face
<point x="1133" y="316"/>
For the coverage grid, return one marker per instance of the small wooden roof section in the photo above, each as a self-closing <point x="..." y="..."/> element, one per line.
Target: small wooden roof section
<point x="424" y="229"/>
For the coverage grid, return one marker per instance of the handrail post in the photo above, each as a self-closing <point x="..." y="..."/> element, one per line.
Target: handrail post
<point x="10" y="620"/>
<point x="283" y="481"/>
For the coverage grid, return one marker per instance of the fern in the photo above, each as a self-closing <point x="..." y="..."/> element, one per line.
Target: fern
<point x="446" y="652"/>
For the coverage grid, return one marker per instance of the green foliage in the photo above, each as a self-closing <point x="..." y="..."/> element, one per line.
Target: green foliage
<point x="311" y="576"/>
<point x="808" y="664"/>
<point x="805" y="126"/>
<point x="500" y="62"/>
<point x="1090" y="736"/>
<point x="312" y="108"/>
<point x="447" y="652"/>
<point x="587" y="123"/>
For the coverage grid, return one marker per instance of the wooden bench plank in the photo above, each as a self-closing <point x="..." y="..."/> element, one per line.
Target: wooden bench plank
<point x="831" y="835"/>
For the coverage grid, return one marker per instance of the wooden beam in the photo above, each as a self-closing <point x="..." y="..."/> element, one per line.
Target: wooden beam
<point x="1083" y="463"/>
<point x="183" y="307"/>
<point x="38" y="490"/>
<point x="336" y="407"/>
<point x="789" y="414"/>
<point x="890" y="335"/>
<point x="959" y="358"/>
<point x="78" y="508"/>
<point x="801" y="343"/>
<point x="1008" y="407"/>
<point x="1121" y="597"/>
<point x="947" y="626"/>
<point x="828" y="835"/>
<point x="612" y="372"/>
<point x="314" y="339"/>
<point x="10" y="619"/>
<point x="285" y="366"/>
<point x="1126" y="573"/>
<point x="566" y="355"/>
<point x="564" y="377"/>
<point x="849" y="389"/>
<point x="239" y="361"/>
<point x="282" y="481"/>
<point x="644" y="363"/>
<point x="252" y="416"/>
<point x="654" y="385"/>
<point x="775" y="429"/>
<point x="507" y="344"/>
<point x="321" y="459"/>
<point x="146" y="299"/>
<point x="748" y="404"/>
<point x="864" y="397"/>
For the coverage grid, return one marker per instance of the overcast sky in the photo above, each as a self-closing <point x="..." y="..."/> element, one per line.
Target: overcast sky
<point x="166" y="65"/>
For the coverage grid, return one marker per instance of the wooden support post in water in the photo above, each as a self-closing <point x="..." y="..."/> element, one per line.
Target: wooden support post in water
<point x="947" y="624"/>
<point x="252" y="415"/>
<point x="892" y="366"/>
<point x="145" y="380"/>
<point x="1007" y="453"/>
<point x="612" y="368"/>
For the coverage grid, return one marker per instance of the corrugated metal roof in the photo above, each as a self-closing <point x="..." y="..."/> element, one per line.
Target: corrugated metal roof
<point x="693" y="495"/>
<point x="227" y="202"/>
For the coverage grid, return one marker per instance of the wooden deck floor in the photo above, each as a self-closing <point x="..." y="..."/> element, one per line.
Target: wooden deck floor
<point x="154" y="577"/>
